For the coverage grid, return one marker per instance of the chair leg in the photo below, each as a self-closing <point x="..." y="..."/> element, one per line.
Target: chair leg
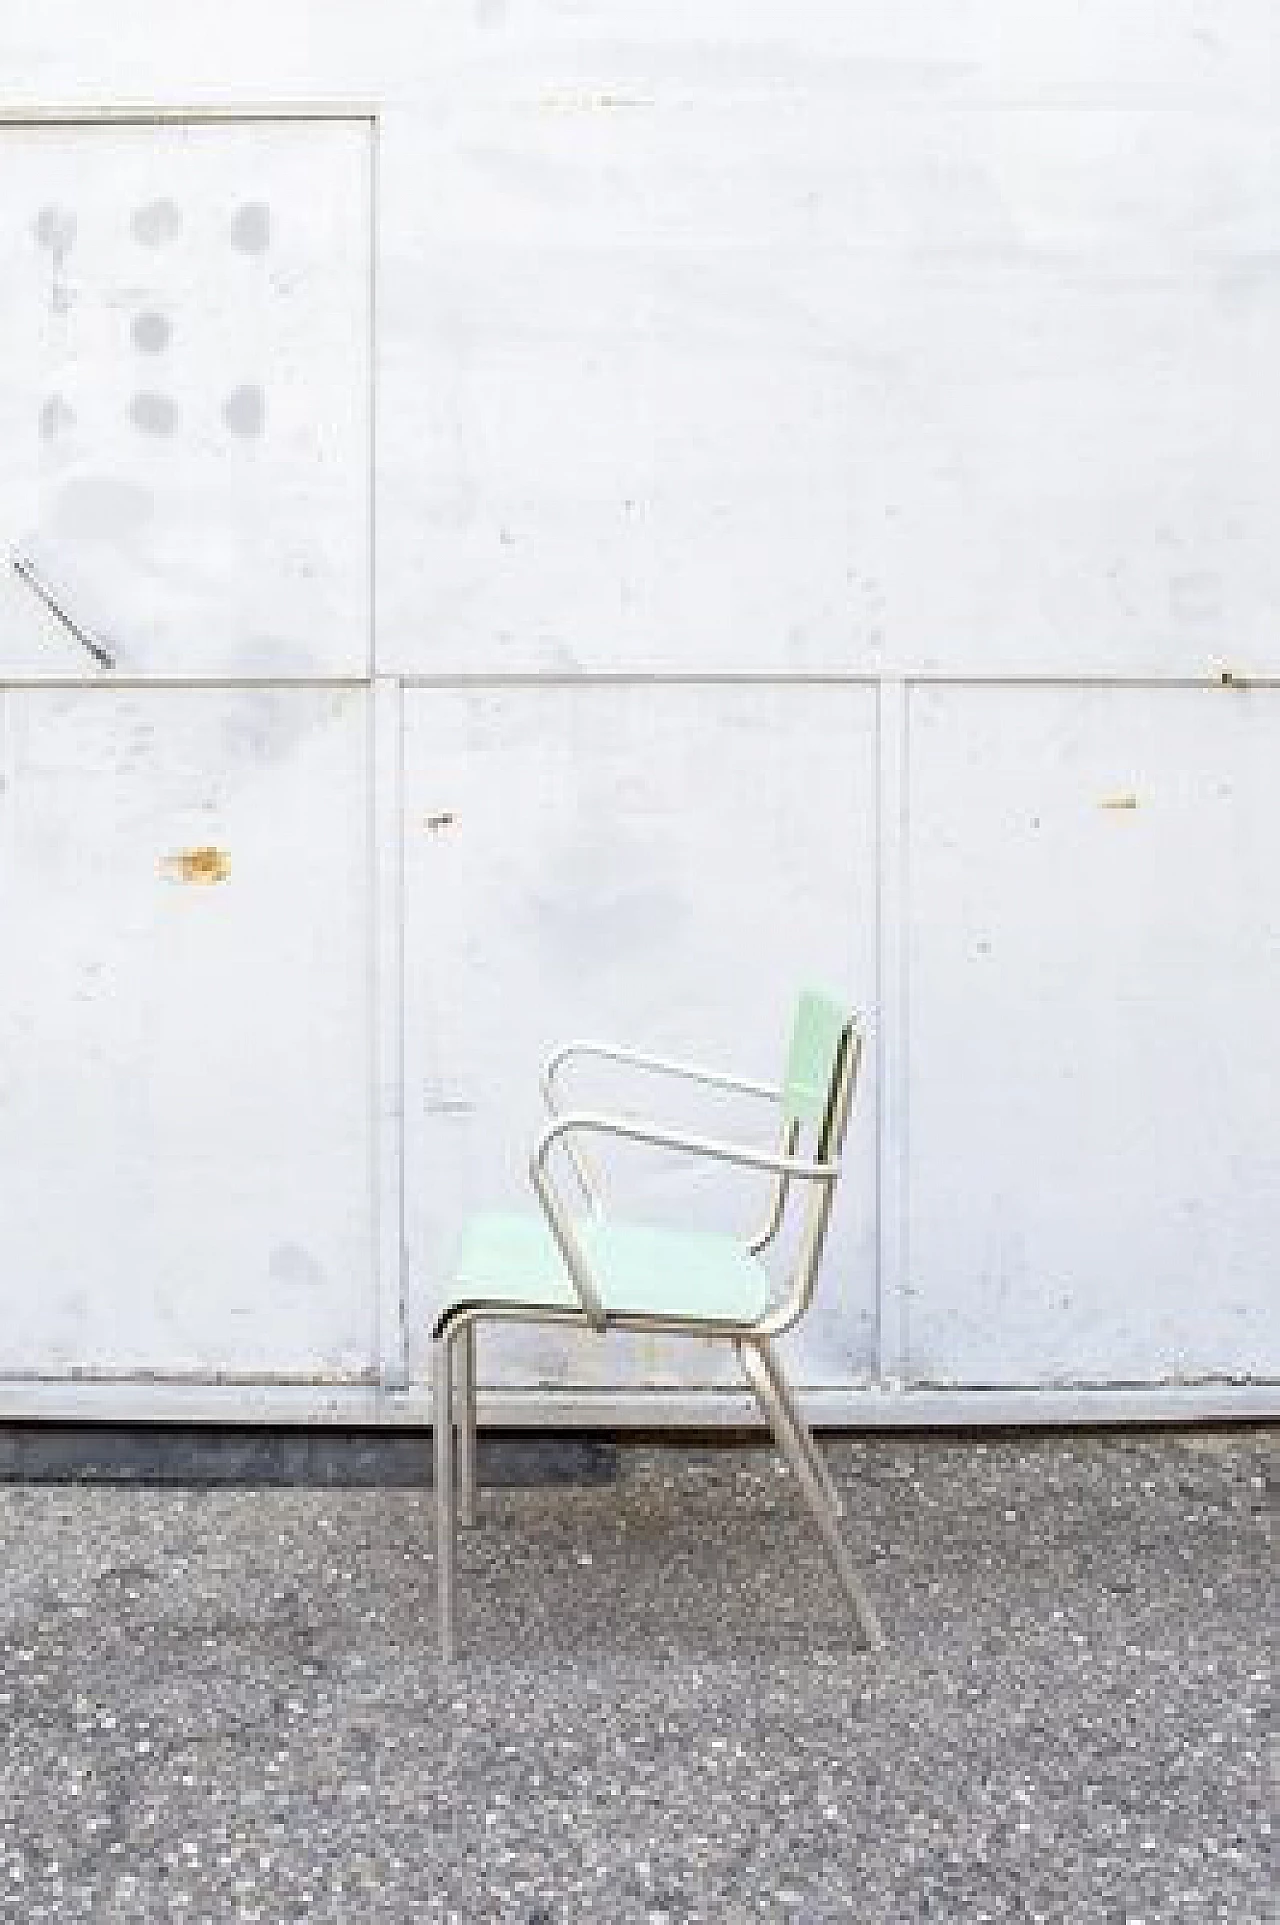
<point x="466" y="1423"/>
<point x="446" y="1544"/>
<point x="787" y="1437"/>
<point x="787" y="1397"/>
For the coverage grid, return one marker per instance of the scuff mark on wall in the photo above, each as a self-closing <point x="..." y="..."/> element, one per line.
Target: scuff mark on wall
<point x="55" y="231"/>
<point x="154" y="413"/>
<point x="100" y="507"/>
<point x="291" y="1264"/>
<point x="150" y="331"/>
<point x="57" y="417"/>
<point x="157" y="224"/>
<point x="203" y="867"/>
<point x="593" y="101"/>
<point x="251" y="228"/>
<point x="245" y="410"/>
<point x="1119" y="804"/>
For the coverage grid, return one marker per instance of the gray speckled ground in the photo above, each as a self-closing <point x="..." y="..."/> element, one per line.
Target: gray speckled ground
<point x="226" y="1704"/>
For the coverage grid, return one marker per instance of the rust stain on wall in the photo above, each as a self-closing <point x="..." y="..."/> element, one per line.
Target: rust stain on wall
<point x="204" y="866"/>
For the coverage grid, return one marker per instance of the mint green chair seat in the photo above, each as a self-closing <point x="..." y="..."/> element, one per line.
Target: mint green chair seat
<point x="604" y="1275"/>
<point x="639" y="1271"/>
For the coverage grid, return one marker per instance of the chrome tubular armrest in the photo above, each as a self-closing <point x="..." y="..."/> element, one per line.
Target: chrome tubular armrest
<point x="590" y="1122"/>
<point x="561" y="1225"/>
<point x="750" y="1156"/>
<point x="588" y="1181"/>
<point x="652" y="1065"/>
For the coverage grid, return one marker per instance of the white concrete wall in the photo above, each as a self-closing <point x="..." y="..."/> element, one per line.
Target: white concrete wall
<point x="601" y="515"/>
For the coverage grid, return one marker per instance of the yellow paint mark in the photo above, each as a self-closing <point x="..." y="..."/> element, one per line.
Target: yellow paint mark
<point x="204" y="867"/>
<point x="1118" y="802"/>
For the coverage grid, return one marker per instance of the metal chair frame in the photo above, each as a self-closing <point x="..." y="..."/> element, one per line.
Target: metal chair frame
<point x="454" y="1344"/>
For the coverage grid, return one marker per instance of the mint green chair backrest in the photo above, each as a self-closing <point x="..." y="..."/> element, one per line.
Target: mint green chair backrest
<point x="821" y="1037"/>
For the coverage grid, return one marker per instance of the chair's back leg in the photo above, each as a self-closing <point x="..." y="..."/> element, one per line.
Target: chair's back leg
<point x="446" y="1546"/>
<point x="809" y="1443"/>
<point x="793" y="1450"/>
<point x="465" y="1342"/>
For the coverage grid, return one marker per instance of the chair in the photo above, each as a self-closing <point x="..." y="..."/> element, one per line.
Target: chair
<point x="558" y="1268"/>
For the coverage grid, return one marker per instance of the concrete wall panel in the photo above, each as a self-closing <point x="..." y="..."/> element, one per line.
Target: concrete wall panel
<point x="184" y="1034"/>
<point x="1094" y="945"/>
<point x="658" y="866"/>
<point x="185" y="403"/>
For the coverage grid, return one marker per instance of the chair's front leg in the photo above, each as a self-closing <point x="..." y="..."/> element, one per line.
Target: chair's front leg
<point x="466" y="1423"/>
<point x="446" y="1545"/>
<point x="793" y="1450"/>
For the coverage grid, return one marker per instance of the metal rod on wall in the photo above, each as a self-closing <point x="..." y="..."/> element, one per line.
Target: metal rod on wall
<point x="24" y="568"/>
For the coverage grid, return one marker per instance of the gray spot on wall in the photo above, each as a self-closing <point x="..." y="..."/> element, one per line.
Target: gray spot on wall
<point x="245" y="410"/>
<point x="291" y="1264"/>
<point x="100" y="507"/>
<point x="261" y="727"/>
<point x="602" y="923"/>
<point x="57" y="417"/>
<point x="150" y="332"/>
<point x="158" y="223"/>
<point x="55" y="231"/>
<point x="251" y="228"/>
<point x="153" y="413"/>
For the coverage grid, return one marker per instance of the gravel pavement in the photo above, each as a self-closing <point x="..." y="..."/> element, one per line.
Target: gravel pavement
<point x="225" y="1704"/>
